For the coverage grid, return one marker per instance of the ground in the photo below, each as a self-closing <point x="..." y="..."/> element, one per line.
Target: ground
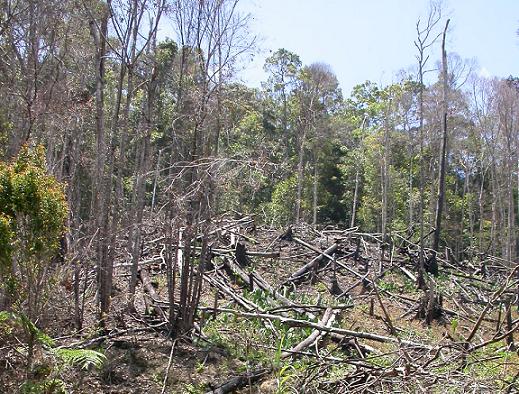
<point x="139" y="352"/>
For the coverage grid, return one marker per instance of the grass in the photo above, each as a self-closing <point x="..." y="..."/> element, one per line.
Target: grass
<point x="493" y="362"/>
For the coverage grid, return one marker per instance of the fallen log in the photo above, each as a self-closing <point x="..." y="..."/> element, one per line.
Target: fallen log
<point x="307" y="268"/>
<point x="148" y="286"/>
<point x="238" y="382"/>
<point x="326" y="320"/>
<point x="311" y="247"/>
<point x="255" y="279"/>
<point x="243" y="302"/>
<point x="341" y="331"/>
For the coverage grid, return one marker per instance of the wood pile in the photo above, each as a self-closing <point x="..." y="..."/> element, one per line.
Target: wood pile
<point x="342" y="270"/>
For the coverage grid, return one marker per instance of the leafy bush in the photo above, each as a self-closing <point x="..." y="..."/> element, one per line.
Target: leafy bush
<point x="33" y="211"/>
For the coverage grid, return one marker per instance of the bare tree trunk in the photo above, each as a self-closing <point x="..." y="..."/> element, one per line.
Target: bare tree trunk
<point x="411" y="205"/>
<point x="355" y="198"/>
<point x="300" y="176"/>
<point x="385" y="177"/>
<point x="100" y="209"/>
<point x="510" y="248"/>
<point x="432" y="267"/>
<point x="143" y="157"/>
<point x="314" y="203"/>
<point x="422" y="43"/>
<point x="481" y="212"/>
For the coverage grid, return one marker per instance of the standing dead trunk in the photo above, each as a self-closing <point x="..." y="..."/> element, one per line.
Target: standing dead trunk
<point x="314" y="189"/>
<point x="300" y="176"/>
<point x="424" y="40"/>
<point x="99" y="30"/>
<point x="143" y="160"/>
<point x="355" y="198"/>
<point x="432" y="267"/>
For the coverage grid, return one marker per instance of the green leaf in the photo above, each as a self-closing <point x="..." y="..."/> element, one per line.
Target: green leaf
<point x="82" y="358"/>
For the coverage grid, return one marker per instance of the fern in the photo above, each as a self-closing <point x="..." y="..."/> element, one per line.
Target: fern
<point x="82" y="358"/>
<point x="31" y="328"/>
<point x="28" y="326"/>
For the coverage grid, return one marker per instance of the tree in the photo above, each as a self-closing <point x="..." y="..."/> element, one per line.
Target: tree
<point x="284" y="68"/>
<point x="433" y="264"/>
<point x="33" y="211"/>
<point x="317" y="96"/>
<point x="425" y="39"/>
<point x="212" y="37"/>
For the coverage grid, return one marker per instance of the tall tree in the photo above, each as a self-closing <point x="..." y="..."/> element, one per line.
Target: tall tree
<point x="317" y="95"/>
<point x="433" y="264"/>
<point x="425" y="39"/>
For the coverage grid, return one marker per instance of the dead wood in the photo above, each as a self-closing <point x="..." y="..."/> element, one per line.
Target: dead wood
<point x="241" y="381"/>
<point x="326" y="321"/>
<point x="241" y="254"/>
<point x="258" y="282"/>
<point x="307" y="268"/>
<point x="227" y="290"/>
<point x="489" y="305"/>
<point x="387" y="318"/>
<point x="150" y="289"/>
<point x="304" y="323"/>
<point x="287" y="235"/>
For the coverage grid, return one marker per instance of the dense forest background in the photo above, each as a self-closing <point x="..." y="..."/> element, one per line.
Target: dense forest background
<point x="139" y="128"/>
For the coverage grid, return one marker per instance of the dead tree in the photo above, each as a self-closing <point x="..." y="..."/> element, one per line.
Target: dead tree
<point x="432" y="265"/>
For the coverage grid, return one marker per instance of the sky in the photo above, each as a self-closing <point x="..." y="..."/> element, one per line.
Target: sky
<point x="373" y="39"/>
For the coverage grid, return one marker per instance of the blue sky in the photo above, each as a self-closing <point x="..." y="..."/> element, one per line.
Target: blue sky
<point x="373" y="39"/>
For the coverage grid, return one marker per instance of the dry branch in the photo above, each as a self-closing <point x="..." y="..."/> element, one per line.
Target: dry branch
<point x="326" y="321"/>
<point x="299" y="274"/>
<point x="304" y="323"/>
<point x="237" y="382"/>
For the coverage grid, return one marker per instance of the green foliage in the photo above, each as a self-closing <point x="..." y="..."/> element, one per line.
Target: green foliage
<point x="45" y="378"/>
<point x="281" y="208"/>
<point x="190" y="388"/>
<point x="387" y="286"/>
<point x="284" y="375"/>
<point x="493" y="363"/>
<point x="12" y="322"/>
<point x="47" y="386"/>
<point x="332" y="204"/>
<point x="81" y="358"/>
<point x="33" y="211"/>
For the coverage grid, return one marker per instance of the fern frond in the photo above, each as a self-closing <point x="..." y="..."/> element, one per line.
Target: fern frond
<point x="30" y="327"/>
<point x="83" y="358"/>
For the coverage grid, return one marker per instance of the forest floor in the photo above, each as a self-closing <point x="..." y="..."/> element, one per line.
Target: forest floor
<point x="354" y="321"/>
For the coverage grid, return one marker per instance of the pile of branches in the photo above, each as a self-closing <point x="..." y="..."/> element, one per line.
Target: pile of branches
<point x="234" y="257"/>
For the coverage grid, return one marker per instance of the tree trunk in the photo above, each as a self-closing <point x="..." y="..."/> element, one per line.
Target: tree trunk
<point x="355" y="197"/>
<point x="314" y="203"/>
<point x="100" y="209"/>
<point x="432" y="267"/>
<point x="300" y="177"/>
